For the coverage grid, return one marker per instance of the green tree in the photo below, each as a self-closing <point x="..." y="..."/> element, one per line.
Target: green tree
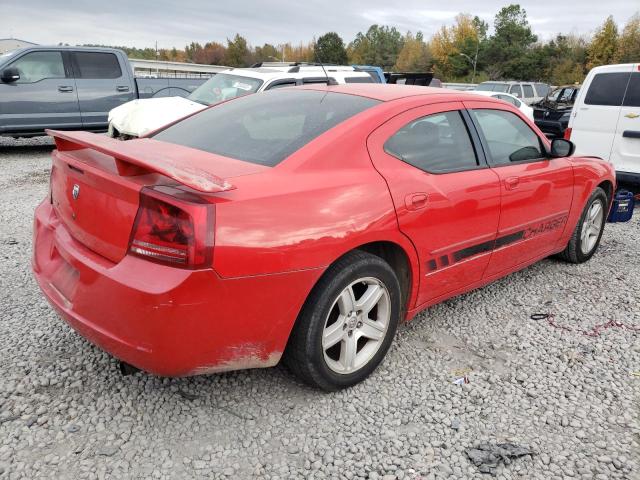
<point x="380" y="46"/>
<point x="629" y="41"/>
<point x="329" y="48"/>
<point x="237" y="54"/>
<point x="415" y="55"/>
<point x="603" y="49"/>
<point x="266" y="53"/>
<point x="506" y="52"/>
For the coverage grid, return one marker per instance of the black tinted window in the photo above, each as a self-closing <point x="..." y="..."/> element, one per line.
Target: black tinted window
<point x="265" y="128"/>
<point x="97" y="65"/>
<point x="632" y="98"/>
<point x="436" y="143"/>
<point x="607" y="89"/>
<point x="509" y="138"/>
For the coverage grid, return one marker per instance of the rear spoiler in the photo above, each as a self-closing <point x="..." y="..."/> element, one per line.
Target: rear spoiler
<point x="134" y="157"/>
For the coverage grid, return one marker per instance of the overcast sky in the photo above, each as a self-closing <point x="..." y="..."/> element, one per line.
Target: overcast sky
<point x="171" y="23"/>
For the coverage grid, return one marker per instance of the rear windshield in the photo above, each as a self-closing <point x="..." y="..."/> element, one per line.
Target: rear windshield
<point x="265" y="128"/>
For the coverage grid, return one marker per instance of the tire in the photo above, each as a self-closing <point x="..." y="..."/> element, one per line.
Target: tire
<point x="361" y="339"/>
<point x="579" y="250"/>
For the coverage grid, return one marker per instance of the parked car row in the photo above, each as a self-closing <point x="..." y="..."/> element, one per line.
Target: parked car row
<point x="72" y="88"/>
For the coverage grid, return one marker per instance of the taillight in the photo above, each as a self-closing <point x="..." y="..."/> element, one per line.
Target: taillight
<point x="174" y="228"/>
<point x="567" y="134"/>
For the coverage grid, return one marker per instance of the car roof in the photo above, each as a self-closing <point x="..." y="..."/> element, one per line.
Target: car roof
<point x="33" y="48"/>
<point x="389" y="92"/>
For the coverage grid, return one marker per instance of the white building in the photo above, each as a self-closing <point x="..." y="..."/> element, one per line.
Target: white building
<point x="8" y="44"/>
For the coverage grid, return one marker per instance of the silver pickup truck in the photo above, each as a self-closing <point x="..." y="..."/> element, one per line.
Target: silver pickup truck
<point x="72" y="88"/>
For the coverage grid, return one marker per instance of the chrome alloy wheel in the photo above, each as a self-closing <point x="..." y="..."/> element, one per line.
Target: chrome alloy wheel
<point x="356" y="325"/>
<point x="591" y="227"/>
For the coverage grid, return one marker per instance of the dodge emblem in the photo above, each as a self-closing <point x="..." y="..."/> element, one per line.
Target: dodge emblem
<point x="75" y="193"/>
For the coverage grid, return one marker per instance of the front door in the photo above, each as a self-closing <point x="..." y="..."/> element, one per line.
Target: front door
<point x="43" y="97"/>
<point x="447" y="199"/>
<point x="536" y="191"/>
<point x="102" y="86"/>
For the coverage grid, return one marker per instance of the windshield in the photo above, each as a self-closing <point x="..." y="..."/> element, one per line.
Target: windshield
<point x="493" y="87"/>
<point x="265" y="128"/>
<point x="224" y="86"/>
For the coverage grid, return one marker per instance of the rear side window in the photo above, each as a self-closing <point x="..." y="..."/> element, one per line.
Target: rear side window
<point x="36" y="66"/>
<point x="97" y="65"/>
<point x="632" y="98"/>
<point x="607" y="89"/>
<point x="528" y="91"/>
<point x="508" y="137"/>
<point x="436" y="143"/>
<point x="358" y="80"/>
<point x="266" y="128"/>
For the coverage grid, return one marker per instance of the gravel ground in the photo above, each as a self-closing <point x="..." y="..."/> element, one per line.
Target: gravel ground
<point x="65" y="412"/>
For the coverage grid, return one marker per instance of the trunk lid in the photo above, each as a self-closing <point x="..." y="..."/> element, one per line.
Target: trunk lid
<point x="96" y="183"/>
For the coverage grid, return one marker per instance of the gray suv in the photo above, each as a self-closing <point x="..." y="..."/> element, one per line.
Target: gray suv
<point x="528" y="92"/>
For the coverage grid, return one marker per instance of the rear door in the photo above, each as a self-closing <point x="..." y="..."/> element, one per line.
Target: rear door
<point x="596" y="113"/>
<point x="625" y="154"/>
<point x="446" y="198"/>
<point x="102" y="84"/>
<point x="43" y="97"/>
<point x="536" y="192"/>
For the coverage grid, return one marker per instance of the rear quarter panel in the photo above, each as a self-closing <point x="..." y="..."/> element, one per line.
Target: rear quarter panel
<point x="322" y="202"/>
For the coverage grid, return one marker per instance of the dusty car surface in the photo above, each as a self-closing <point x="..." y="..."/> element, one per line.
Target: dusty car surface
<point x="303" y="223"/>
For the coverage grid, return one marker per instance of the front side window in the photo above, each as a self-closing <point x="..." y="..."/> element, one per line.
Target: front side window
<point x="528" y="91"/>
<point x="36" y="66"/>
<point x="516" y="91"/>
<point x="97" y="65"/>
<point x="607" y="89"/>
<point x="542" y="89"/>
<point x="509" y="99"/>
<point x="267" y="128"/>
<point x="436" y="143"/>
<point x="507" y="136"/>
<point x="224" y="86"/>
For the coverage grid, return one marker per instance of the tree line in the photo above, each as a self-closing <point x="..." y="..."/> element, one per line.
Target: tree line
<point x="462" y="52"/>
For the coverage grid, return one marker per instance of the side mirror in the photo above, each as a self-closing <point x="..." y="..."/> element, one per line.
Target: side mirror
<point x="10" y="74"/>
<point x="562" y="148"/>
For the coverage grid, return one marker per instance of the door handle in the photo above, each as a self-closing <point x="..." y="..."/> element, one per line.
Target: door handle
<point x="631" y="134"/>
<point x="416" y="201"/>
<point x="65" y="88"/>
<point x="122" y="88"/>
<point x="511" y="183"/>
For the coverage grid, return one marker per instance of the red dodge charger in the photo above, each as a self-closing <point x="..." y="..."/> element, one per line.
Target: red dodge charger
<point x="303" y="224"/>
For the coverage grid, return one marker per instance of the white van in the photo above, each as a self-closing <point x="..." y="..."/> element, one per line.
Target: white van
<point x="605" y="120"/>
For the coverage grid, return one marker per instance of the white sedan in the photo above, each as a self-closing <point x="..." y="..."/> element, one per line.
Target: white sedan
<point x="519" y="104"/>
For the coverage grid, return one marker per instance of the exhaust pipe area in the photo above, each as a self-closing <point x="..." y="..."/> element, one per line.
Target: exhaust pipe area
<point x="126" y="369"/>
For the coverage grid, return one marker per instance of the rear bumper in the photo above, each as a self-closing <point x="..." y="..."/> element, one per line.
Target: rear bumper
<point x="164" y="320"/>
